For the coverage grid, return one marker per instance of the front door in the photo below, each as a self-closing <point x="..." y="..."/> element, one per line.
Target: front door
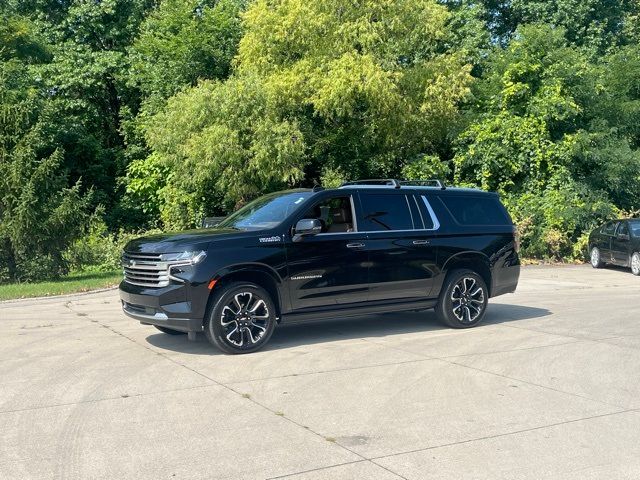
<point x="603" y="241"/>
<point x="329" y="268"/>
<point x="620" y="245"/>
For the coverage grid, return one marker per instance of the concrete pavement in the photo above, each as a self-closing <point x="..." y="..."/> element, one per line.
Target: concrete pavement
<point x="546" y="388"/>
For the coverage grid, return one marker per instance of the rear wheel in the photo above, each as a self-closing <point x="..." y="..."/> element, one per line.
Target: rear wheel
<point x="169" y="331"/>
<point x="596" y="258"/>
<point x="463" y="300"/>
<point x="241" y="319"/>
<point x="635" y="263"/>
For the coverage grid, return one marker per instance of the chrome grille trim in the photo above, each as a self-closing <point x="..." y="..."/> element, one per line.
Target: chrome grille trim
<point x="145" y="270"/>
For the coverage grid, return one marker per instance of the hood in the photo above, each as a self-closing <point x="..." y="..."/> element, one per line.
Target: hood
<point x="183" y="241"/>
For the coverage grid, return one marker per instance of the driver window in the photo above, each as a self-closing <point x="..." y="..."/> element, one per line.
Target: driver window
<point x="335" y="215"/>
<point x="609" y="228"/>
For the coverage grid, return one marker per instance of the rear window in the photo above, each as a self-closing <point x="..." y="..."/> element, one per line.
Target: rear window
<point x="635" y="227"/>
<point x="476" y="210"/>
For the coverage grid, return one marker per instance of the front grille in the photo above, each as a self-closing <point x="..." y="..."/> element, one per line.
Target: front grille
<point x="145" y="270"/>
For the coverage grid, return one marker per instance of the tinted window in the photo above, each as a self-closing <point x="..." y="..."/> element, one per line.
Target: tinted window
<point x="623" y="229"/>
<point x="416" y="214"/>
<point x="609" y="228"/>
<point x="476" y="210"/>
<point x="385" y="212"/>
<point x="635" y="227"/>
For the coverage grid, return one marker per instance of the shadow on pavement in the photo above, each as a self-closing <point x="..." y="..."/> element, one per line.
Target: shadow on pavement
<point x="400" y="323"/>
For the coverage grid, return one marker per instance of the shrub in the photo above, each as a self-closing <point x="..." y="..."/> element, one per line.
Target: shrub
<point x="426" y="167"/>
<point x="98" y="250"/>
<point x="552" y="224"/>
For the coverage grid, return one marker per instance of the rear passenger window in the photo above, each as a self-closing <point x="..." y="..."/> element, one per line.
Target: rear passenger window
<point x="385" y="212"/>
<point x="476" y="210"/>
<point x="623" y="229"/>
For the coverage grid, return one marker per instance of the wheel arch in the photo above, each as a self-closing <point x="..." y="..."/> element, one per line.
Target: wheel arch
<point x="261" y="275"/>
<point x="476" y="261"/>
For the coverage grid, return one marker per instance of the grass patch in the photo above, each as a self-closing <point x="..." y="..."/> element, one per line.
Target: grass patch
<point x="73" y="283"/>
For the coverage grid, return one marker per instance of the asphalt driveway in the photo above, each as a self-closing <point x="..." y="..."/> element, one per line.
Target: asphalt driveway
<point x="547" y="387"/>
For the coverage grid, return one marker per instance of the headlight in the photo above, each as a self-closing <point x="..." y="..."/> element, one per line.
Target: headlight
<point x="184" y="258"/>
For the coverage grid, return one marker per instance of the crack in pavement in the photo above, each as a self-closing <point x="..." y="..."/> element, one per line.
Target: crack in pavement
<point x="526" y="382"/>
<point x="506" y="434"/>
<point x="360" y="367"/>
<point x="105" y="399"/>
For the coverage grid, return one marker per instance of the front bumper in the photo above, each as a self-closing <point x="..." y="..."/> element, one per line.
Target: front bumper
<point x="164" y="307"/>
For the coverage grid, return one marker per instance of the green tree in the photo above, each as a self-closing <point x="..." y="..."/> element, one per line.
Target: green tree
<point x="592" y="23"/>
<point x="84" y="85"/>
<point x="39" y="214"/>
<point x="181" y="42"/>
<point x="319" y="87"/>
<point x="540" y="135"/>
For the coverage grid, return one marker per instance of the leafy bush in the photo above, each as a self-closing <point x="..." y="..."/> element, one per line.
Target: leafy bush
<point x="552" y="224"/>
<point x="98" y="250"/>
<point x="332" y="177"/>
<point x="425" y="168"/>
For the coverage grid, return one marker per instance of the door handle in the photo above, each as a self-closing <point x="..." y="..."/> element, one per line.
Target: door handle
<point x="355" y="245"/>
<point x="421" y="242"/>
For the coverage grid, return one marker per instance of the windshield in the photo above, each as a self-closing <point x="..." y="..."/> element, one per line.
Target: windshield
<point x="265" y="212"/>
<point x="634" y="225"/>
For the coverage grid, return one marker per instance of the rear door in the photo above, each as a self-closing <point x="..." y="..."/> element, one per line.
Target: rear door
<point x="620" y="244"/>
<point x="402" y="258"/>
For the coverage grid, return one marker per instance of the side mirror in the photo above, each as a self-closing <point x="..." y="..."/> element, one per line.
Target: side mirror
<point x="623" y="236"/>
<point x="307" y="227"/>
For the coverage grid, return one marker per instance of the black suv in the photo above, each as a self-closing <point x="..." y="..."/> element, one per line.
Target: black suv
<point x="367" y="247"/>
<point x="618" y="243"/>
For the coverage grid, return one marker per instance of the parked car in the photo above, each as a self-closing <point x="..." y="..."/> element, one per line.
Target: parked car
<point x="367" y="247"/>
<point x="618" y="243"/>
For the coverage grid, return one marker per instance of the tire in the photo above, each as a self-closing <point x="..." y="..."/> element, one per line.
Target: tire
<point x="169" y="331"/>
<point x="463" y="300"/>
<point x="230" y="324"/>
<point x="635" y="263"/>
<point x="595" y="258"/>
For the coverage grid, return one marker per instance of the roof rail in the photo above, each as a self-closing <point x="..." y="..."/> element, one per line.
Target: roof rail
<point x="425" y="183"/>
<point x="391" y="182"/>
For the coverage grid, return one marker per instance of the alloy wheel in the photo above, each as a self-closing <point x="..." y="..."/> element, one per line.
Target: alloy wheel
<point x="635" y="263"/>
<point x="595" y="257"/>
<point x="467" y="300"/>
<point x="245" y="319"/>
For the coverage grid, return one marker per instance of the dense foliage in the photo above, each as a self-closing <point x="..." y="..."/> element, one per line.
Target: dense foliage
<point x="123" y="115"/>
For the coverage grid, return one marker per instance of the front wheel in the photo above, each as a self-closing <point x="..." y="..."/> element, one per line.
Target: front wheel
<point x="463" y="301"/>
<point x="596" y="258"/>
<point x="241" y="319"/>
<point x="635" y="263"/>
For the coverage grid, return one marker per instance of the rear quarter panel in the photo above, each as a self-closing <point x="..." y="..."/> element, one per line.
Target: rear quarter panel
<point x="495" y="245"/>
